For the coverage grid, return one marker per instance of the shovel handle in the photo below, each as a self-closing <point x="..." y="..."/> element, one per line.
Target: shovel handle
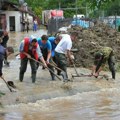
<point x="56" y="67"/>
<point x="75" y="68"/>
<point x="6" y="84"/>
<point x="46" y="67"/>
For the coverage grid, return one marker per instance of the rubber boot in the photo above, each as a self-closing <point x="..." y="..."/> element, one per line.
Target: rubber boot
<point x="21" y="77"/>
<point x="52" y="76"/>
<point x="58" y="72"/>
<point x="113" y="74"/>
<point x="65" y="76"/>
<point x="33" y="78"/>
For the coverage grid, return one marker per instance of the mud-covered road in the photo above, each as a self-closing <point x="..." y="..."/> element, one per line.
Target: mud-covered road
<point x="86" y="98"/>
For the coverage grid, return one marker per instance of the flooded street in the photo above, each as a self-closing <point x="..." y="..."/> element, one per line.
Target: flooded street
<point x="86" y="98"/>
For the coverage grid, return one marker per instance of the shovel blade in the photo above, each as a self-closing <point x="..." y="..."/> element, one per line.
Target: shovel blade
<point x="11" y="83"/>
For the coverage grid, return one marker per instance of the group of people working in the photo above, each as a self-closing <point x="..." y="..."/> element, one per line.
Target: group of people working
<point x="57" y="50"/>
<point x="46" y="50"/>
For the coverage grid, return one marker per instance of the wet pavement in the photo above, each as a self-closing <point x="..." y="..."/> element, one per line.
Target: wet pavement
<point x="86" y="98"/>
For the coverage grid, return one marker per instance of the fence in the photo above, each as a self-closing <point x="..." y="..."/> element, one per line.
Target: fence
<point x="112" y="21"/>
<point x="55" y="24"/>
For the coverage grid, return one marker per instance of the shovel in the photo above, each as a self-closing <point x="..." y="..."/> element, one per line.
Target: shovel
<point x="64" y="75"/>
<point x="75" y="69"/>
<point x="55" y="65"/>
<point x="46" y="67"/>
<point x="84" y="75"/>
<point x="11" y="83"/>
<point x="7" y="84"/>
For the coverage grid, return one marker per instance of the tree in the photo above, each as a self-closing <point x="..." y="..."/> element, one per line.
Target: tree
<point x="92" y="5"/>
<point x="98" y="3"/>
<point x="38" y="12"/>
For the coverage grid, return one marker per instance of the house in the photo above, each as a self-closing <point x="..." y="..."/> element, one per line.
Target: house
<point x="12" y="16"/>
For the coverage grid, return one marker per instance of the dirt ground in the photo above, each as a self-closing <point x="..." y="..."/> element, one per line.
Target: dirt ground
<point x="89" y="40"/>
<point x="56" y="100"/>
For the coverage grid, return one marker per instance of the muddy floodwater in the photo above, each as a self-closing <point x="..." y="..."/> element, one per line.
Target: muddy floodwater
<point x="85" y="98"/>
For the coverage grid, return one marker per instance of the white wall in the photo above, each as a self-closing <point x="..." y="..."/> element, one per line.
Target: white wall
<point x="17" y="15"/>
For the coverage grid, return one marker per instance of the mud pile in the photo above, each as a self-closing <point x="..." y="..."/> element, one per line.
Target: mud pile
<point x="90" y="39"/>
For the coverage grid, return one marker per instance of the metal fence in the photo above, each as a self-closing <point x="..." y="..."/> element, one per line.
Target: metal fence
<point x="55" y="24"/>
<point x="112" y="21"/>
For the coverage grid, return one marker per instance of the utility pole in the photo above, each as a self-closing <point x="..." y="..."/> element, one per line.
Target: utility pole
<point x="59" y="5"/>
<point x="86" y="10"/>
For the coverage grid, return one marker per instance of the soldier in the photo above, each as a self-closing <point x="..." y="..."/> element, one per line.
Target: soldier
<point x="103" y="55"/>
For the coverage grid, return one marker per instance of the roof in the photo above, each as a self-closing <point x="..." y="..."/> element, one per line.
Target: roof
<point x="7" y="5"/>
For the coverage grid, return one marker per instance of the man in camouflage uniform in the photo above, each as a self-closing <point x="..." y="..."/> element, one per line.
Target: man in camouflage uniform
<point x="103" y="55"/>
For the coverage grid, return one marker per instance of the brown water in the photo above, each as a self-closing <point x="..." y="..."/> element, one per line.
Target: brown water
<point x="86" y="98"/>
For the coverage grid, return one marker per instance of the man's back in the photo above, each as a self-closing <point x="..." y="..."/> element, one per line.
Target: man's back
<point x="64" y="44"/>
<point x="106" y="51"/>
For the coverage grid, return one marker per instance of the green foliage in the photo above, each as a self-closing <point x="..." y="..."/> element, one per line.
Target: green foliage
<point x="114" y="8"/>
<point x="111" y="6"/>
<point x="97" y="4"/>
<point x="14" y="1"/>
<point x="38" y="11"/>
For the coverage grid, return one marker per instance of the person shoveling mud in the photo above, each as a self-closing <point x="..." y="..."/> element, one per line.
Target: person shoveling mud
<point x="103" y="55"/>
<point x="63" y="47"/>
<point x="29" y="48"/>
<point x="89" y="40"/>
<point x="4" y="52"/>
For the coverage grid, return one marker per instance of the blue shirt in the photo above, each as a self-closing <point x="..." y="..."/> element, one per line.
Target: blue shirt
<point x="47" y="45"/>
<point x="53" y="44"/>
<point x="2" y="52"/>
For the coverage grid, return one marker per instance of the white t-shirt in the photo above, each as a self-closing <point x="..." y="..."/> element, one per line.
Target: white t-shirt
<point x="64" y="44"/>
